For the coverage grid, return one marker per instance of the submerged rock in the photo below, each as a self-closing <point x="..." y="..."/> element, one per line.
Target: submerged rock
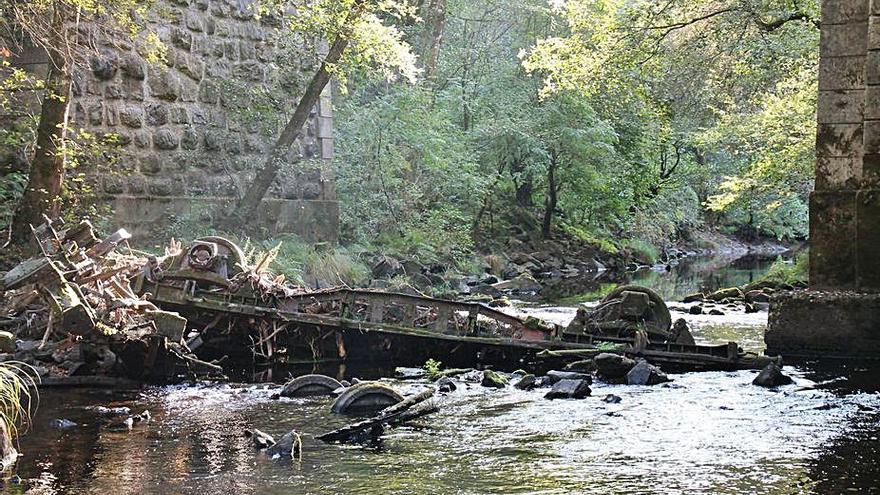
<point x="260" y="439"/>
<point x="493" y="380"/>
<point x="645" y="373"/>
<point x="611" y="399"/>
<point x="527" y="382"/>
<point x="613" y="366"/>
<point x="771" y="376"/>
<point x="290" y="445"/>
<point x="111" y="411"/>
<point x="62" y="424"/>
<point x="445" y="384"/>
<point x="569" y="389"/>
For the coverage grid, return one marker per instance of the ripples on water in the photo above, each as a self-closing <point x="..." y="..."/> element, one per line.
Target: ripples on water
<point x="704" y="433"/>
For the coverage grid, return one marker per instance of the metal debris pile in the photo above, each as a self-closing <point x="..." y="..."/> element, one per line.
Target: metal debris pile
<point x="72" y="311"/>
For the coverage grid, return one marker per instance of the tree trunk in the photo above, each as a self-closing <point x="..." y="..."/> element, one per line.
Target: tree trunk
<point x="246" y="209"/>
<point x="550" y="203"/>
<point x="46" y="177"/>
<point x="432" y="36"/>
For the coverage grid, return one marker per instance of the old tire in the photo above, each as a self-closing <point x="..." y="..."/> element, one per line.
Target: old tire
<point x="234" y="254"/>
<point x="662" y="320"/>
<point x="366" y="397"/>
<point x="310" y="385"/>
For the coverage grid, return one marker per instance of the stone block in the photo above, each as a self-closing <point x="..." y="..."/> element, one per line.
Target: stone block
<point x="208" y="92"/>
<point x="871" y="137"/>
<point x="813" y="324"/>
<point x="872" y="67"/>
<point x="150" y="165"/>
<point x="113" y="92"/>
<point x="134" y="66"/>
<point x="164" y="84"/>
<point x="96" y="114"/>
<point x="842" y="72"/>
<point x="842" y="40"/>
<point x="868" y="240"/>
<point x="181" y="38"/>
<point x="178" y="115"/>
<point x="872" y="102"/>
<point x="194" y="21"/>
<point x="157" y="114"/>
<point x="839" y="139"/>
<point x="832" y="239"/>
<point x="104" y="66"/>
<point x="841" y="106"/>
<point x="165" y="139"/>
<point x="874" y="33"/>
<point x="870" y="171"/>
<point x="844" y="11"/>
<point x="132" y="116"/>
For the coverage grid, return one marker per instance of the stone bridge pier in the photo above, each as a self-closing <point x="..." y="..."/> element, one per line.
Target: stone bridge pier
<point x="840" y="315"/>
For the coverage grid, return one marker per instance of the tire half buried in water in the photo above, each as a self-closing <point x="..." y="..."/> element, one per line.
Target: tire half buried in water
<point x="310" y="385"/>
<point x="366" y="397"/>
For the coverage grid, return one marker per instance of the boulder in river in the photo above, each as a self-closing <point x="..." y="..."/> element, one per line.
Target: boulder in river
<point x="613" y="366"/>
<point x="445" y="384"/>
<point x="771" y="376"/>
<point x="612" y="399"/>
<point x="493" y="380"/>
<point x="569" y="389"/>
<point x="260" y="439"/>
<point x="645" y="373"/>
<point x="753" y="296"/>
<point x="695" y="297"/>
<point x="522" y="283"/>
<point x="527" y="382"/>
<point x="729" y="293"/>
<point x="696" y="310"/>
<point x="554" y="376"/>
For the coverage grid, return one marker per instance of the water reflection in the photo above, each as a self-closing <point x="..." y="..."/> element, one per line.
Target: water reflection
<point x="704" y="433"/>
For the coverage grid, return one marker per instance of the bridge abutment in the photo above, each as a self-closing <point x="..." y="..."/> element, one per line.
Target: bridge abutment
<point x="840" y="314"/>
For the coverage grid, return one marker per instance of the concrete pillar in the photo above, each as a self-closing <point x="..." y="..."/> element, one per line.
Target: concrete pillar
<point x="840" y="315"/>
<point x="845" y="207"/>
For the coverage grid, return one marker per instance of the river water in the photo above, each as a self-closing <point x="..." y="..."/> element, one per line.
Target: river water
<point x="703" y="433"/>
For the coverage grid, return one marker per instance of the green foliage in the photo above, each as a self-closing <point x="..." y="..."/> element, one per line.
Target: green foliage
<point x="18" y="395"/>
<point x="791" y="272"/>
<point x="432" y="367"/>
<point x="642" y="251"/>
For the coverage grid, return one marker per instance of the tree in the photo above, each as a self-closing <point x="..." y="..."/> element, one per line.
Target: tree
<point x="66" y="30"/>
<point x="360" y="40"/>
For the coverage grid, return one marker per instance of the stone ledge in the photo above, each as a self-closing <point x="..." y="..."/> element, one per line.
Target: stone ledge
<point x="147" y="217"/>
<point x="824" y="324"/>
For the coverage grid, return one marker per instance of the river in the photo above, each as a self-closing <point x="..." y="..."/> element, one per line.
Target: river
<point x="703" y="433"/>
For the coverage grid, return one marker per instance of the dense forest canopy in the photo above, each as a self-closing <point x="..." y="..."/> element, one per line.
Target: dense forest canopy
<point x="608" y="119"/>
<point x="625" y="123"/>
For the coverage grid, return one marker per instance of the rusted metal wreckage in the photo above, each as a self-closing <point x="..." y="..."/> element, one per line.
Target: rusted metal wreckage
<point x="231" y="309"/>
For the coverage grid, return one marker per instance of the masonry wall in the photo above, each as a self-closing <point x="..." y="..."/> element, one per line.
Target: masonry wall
<point x="845" y="206"/>
<point x="189" y="144"/>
